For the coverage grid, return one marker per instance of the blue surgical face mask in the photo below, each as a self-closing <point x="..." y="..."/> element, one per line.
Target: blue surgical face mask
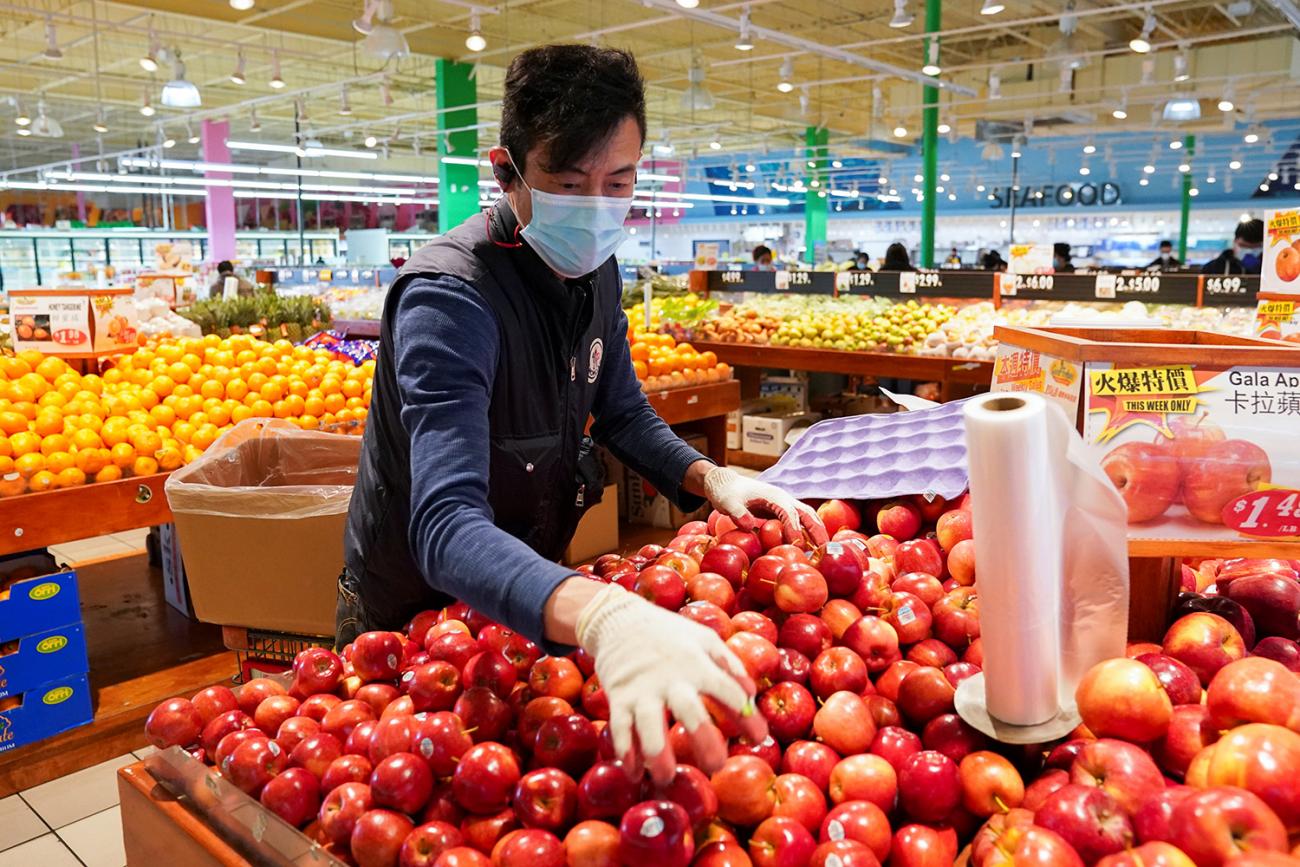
<point x="574" y="235"/>
<point x="1250" y="257"/>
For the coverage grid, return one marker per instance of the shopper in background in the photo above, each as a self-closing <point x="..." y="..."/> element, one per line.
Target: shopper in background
<point x="1245" y="254"/>
<point x="954" y="259"/>
<point x="499" y="340"/>
<point x="993" y="261"/>
<point x="861" y="262"/>
<point x="1061" y="262"/>
<point x="218" y="288"/>
<point x="896" y="259"/>
<point x="763" y="258"/>
<point x="1166" y="261"/>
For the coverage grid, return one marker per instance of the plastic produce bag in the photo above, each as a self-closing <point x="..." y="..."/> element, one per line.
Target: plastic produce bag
<point x="268" y="468"/>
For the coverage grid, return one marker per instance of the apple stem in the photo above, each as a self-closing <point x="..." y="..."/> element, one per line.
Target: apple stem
<point x="1001" y="804"/>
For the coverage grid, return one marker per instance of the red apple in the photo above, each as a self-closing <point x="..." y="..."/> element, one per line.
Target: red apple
<point x="757" y="654"/>
<point x="953" y="527"/>
<point x="1037" y="792"/>
<point x="843" y="853"/>
<point x="711" y="587"/>
<point x="1146" y="476"/>
<point x="606" y="791"/>
<point x="842" y="565"/>
<point x="844" y="723"/>
<point x="222" y="725"/>
<point x="1190" y="731"/>
<point x="720" y="853"/>
<point x="253" y="763"/>
<point x="805" y="633"/>
<point x="909" y="616"/>
<point x="949" y="734"/>
<point x="592" y="844"/>
<point x="757" y="623"/>
<point x="929" y="787"/>
<point x="859" y="821"/>
<point x="377" y="655"/>
<point x="899" y="519"/>
<point x="225" y="749"/>
<point x="347" y="768"/>
<point x="875" y="641"/>
<point x="961" y="562"/>
<point x="837" y="669"/>
<point x="918" y="555"/>
<point x="1214" y="825"/>
<point x="453" y="647"/>
<point x="486" y="715"/>
<point x="402" y="781"/>
<point x="746" y="790"/>
<point x="566" y="742"/>
<point x="256" y="691"/>
<point x="925" y="694"/>
<point x="1203" y="642"/>
<point x="422" y="846"/>
<point x="315" y="670"/>
<point x="895" y="745"/>
<point x="989" y="784"/>
<point x="780" y="841"/>
<point x="1254" y="689"/>
<point x="273" y="711"/>
<point x="1263" y="759"/>
<point x="1151" y="821"/>
<point x="294" y="796"/>
<point x="923" y="846"/>
<point x="546" y="798"/>
<point x="1088" y="819"/>
<point x="341" y="809"/>
<point x="794" y="667"/>
<point x="316" y="706"/>
<point x="1279" y="649"/>
<point x="1226" y="470"/>
<point x="810" y="759"/>
<point x="175" y="722"/>
<point x="556" y="676"/>
<point x="485" y="777"/>
<point x="864" y="778"/>
<point x="710" y="615"/>
<point x="432" y="686"/>
<point x="1155" y="854"/>
<point x="656" y="834"/>
<point x="1126" y="772"/>
<point x="213" y="702"/>
<point x="767" y="749"/>
<point x="685" y="564"/>
<point x="462" y="856"/>
<point x="377" y="838"/>
<point x="485" y="832"/>
<point x="316" y="753"/>
<point x="1180" y="682"/>
<point x="959" y="671"/>
<point x="294" y="731"/>
<point x="529" y="847"/>
<point x="892" y="678"/>
<point x="788" y="709"/>
<point x="1123" y="698"/>
<point x="957" y="618"/>
<point x="800" y="588"/>
<point x="1272" y="602"/>
<point x="691" y="790"/>
<point x="731" y="561"/>
<point x="838" y="515"/>
<point x="922" y="585"/>
<point x="440" y="740"/>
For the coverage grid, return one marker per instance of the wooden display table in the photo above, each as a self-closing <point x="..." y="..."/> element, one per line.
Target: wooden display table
<point x="705" y="407"/>
<point x="39" y="520"/>
<point x="158" y="829"/>
<point x="925" y="368"/>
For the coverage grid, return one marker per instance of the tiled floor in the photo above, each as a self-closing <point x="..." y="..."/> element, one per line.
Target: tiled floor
<point x="73" y="821"/>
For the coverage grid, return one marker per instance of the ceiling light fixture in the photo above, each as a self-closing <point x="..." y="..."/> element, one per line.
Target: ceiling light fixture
<point x="902" y="17"/>
<point x="149" y="63"/>
<point x="1180" y="66"/>
<point x="1120" y="112"/>
<point x="146" y="107"/>
<point x="475" y="41"/>
<point x="242" y="5"/>
<point x="944" y="128"/>
<point x="167" y="141"/>
<point x="696" y="97"/>
<point x="1251" y="136"/>
<point x="24" y="130"/>
<point x="254" y="125"/>
<point x="900" y="131"/>
<point x="190" y="135"/>
<point x="276" y="82"/>
<point x="688" y="4"/>
<point x="715" y="145"/>
<point x="785" y="83"/>
<point x="931" y="66"/>
<point x="1089" y="147"/>
<point x="370" y="141"/>
<point x="1149" y="169"/>
<point x="1182" y="108"/>
<point x="238" y="77"/>
<point x="345" y="107"/>
<point x="995" y="85"/>
<point x="52" y="51"/>
<point x="99" y="125"/>
<point x="991" y="7"/>
<point x="745" y="39"/>
<point x="1225" y="102"/>
<point x="180" y="92"/>
<point x="1142" y="42"/>
<point x="21" y="118"/>
<point x="1234" y="164"/>
<point x="1184" y="167"/>
<point x="44" y="125"/>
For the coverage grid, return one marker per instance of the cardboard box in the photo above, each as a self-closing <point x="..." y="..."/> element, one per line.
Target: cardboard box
<point x="735" y="418"/>
<point x="765" y="434"/>
<point x="786" y="393"/>
<point x="42" y="598"/>
<point x="597" y="532"/>
<point x="247" y="564"/>
<point x="55" y="654"/>
<point x="44" y="711"/>
<point x="645" y="505"/>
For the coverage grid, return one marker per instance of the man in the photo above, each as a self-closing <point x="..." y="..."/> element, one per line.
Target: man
<point x="763" y="258"/>
<point x="498" y="341"/>
<point x="1245" y="256"/>
<point x="225" y="270"/>
<point x="1061" y="261"/>
<point x="861" y="261"/>
<point x="1166" y="261"/>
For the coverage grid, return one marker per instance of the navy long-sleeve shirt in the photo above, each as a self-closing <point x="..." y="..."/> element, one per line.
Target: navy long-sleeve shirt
<point x="446" y="344"/>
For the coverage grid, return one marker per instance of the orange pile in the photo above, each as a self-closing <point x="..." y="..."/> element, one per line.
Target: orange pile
<point x="661" y="362"/>
<point x="161" y="406"/>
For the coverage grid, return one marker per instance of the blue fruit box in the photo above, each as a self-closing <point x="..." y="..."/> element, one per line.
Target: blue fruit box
<point x="45" y="711"/>
<point x="55" y="654"/>
<point x="35" y="596"/>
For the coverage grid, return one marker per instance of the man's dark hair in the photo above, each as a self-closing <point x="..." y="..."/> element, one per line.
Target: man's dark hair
<point x="569" y="99"/>
<point x="1062" y="249"/>
<point x="1250" y="231"/>
<point x="1169" y="244"/>
<point x="225" y="267"/>
<point x="762" y="250"/>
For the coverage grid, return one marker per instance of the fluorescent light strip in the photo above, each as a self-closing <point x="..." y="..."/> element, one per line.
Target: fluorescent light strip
<point x="711" y="197"/>
<point x="93" y="188"/>
<point x="301" y="151"/>
<point x="466" y="161"/>
<point x="641" y="203"/>
<point x="340" y="152"/>
<point x="733" y="185"/>
<point x="651" y="176"/>
<point x="237" y="168"/>
<point x="378" y="199"/>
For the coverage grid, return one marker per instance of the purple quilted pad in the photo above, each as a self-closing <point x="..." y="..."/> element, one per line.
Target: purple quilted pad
<point x="869" y="457"/>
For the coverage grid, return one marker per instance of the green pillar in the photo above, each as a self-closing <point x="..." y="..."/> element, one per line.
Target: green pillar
<point x="1189" y="146"/>
<point x="817" y="198"/>
<point x="929" y="142"/>
<point x="457" y="184"/>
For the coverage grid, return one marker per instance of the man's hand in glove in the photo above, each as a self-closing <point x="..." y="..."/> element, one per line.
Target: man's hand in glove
<point x="736" y="495"/>
<point x="649" y="659"/>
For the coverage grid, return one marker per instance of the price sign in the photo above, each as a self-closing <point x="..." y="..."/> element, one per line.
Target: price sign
<point x="907" y="283"/>
<point x="846" y="282"/>
<point x="1137" y="283"/>
<point x="732" y="277"/>
<point x="1227" y="285"/>
<point x="799" y="278"/>
<point x="1032" y="283"/>
<point x="1272" y="514"/>
<point x="928" y="280"/>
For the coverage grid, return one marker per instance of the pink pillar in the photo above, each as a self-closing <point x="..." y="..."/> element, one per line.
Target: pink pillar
<point x="219" y="206"/>
<point x="81" y="195"/>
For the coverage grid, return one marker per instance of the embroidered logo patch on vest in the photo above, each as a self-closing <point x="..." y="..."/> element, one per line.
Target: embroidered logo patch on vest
<point x="594" y="359"/>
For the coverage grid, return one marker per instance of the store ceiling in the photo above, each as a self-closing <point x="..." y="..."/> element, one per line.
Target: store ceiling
<point x="852" y="72"/>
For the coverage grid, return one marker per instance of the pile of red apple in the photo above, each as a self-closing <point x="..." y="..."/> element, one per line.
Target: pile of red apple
<point x="458" y="743"/>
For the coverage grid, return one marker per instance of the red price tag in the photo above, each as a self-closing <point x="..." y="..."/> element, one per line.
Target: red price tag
<point x="1274" y="514"/>
<point x="70" y="337"/>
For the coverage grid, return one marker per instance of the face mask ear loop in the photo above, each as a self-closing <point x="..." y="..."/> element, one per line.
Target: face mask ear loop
<point x="511" y="245"/>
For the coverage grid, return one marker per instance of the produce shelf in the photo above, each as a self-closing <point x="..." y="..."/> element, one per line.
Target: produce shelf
<point x="39" y="520"/>
<point x="705" y="406"/>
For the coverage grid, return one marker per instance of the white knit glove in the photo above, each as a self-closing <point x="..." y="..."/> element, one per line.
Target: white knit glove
<point x="734" y="495"/>
<point x="648" y="658"/>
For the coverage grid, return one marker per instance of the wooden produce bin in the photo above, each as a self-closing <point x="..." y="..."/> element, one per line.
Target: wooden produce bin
<point x="1205" y="422"/>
